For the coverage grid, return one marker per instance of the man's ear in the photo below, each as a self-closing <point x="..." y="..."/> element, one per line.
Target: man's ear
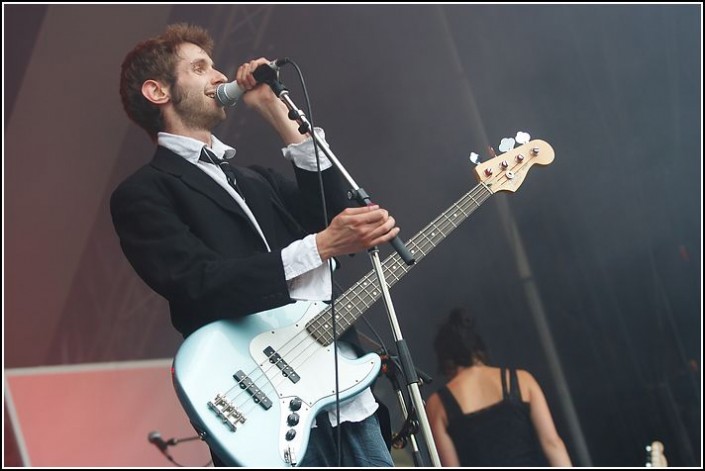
<point x="155" y="92"/>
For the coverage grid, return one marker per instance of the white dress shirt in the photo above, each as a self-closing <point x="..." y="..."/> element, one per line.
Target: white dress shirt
<point x="308" y="278"/>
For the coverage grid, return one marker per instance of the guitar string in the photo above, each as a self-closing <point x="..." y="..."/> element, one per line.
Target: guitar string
<point x="467" y="200"/>
<point x="269" y="383"/>
<point x="320" y="318"/>
<point x="450" y="225"/>
<point x="304" y="336"/>
<point x="443" y="224"/>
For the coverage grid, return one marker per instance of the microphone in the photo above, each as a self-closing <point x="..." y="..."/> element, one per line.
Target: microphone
<point x="227" y="94"/>
<point x="155" y="438"/>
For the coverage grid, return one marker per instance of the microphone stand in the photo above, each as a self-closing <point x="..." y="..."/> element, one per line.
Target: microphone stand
<point x="392" y="370"/>
<point x="176" y="441"/>
<point x="363" y="199"/>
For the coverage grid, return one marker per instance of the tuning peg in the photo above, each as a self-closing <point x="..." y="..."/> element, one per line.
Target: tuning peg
<point x="507" y="144"/>
<point x="475" y="158"/>
<point x="522" y="137"/>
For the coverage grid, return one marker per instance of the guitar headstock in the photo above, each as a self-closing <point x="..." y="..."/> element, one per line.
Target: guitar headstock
<point x="654" y="455"/>
<point x="507" y="171"/>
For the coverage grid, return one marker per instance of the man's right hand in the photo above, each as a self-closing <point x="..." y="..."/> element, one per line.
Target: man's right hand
<point x="354" y="230"/>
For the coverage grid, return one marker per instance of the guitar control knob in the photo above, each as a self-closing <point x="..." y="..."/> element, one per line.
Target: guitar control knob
<point x="295" y="404"/>
<point x="290" y="434"/>
<point x="292" y="419"/>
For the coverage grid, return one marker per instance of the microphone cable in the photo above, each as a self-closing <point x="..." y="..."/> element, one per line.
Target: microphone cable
<point x="155" y="438"/>
<point x="334" y="324"/>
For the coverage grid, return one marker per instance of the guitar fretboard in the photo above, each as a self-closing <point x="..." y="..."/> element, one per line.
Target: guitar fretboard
<point x="363" y="294"/>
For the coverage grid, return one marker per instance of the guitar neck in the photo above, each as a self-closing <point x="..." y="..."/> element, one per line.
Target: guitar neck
<point x="363" y="294"/>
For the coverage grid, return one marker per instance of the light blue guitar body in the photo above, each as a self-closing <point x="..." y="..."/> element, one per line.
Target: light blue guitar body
<point x="239" y="428"/>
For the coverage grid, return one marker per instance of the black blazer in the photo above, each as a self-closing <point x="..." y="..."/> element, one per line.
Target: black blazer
<point x="191" y="242"/>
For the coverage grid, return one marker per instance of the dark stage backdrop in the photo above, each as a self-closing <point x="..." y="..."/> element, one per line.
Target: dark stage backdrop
<point x="589" y="276"/>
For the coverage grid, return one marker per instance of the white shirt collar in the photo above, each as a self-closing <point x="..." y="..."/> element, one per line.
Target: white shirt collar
<point x="190" y="148"/>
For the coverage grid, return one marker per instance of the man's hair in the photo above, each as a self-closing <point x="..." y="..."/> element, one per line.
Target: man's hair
<point x="155" y="59"/>
<point x="457" y="343"/>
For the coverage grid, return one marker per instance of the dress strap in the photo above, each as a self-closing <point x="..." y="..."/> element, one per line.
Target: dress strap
<point x="514" y="391"/>
<point x="505" y="391"/>
<point x="451" y="406"/>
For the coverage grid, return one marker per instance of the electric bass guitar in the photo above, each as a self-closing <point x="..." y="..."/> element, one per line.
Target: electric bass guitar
<point x="252" y="386"/>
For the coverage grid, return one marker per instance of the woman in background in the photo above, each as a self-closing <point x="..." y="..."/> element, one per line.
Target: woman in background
<point x="485" y="415"/>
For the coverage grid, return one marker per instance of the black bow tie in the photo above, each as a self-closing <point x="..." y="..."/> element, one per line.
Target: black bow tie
<point x="210" y="157"/>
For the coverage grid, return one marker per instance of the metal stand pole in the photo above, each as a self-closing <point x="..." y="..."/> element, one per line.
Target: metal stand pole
<point x="359" y="195"/>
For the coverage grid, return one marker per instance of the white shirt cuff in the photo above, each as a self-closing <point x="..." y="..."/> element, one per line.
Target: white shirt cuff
<point x="303" y="155"/>
<point x="307" y="276"/>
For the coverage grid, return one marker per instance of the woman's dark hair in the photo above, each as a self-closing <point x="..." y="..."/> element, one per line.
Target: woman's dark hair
<point x="457" y="343"/>
<point x="155" y="59"/>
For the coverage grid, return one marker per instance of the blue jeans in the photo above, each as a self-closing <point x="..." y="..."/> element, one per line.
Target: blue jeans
<point x="362" y="444"/>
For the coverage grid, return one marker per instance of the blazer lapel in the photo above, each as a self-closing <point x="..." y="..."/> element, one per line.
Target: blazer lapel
<point x="169" y="162"/>
<point x="259" y="201"/>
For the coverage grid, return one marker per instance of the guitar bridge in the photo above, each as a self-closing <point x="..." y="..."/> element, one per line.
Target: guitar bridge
<point x="227" y="412"/>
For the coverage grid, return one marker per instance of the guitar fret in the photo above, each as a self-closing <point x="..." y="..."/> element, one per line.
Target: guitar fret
<point x="460" y="208"/>
<point x="346" y="312"/>
<point x="354" y="311"/>
<point x="397" y="265"/>
<point x="357" y="299"/>
<point x="316" y="326"/>
<point x="450" y="221"/>
<point x="433" y="234"/>
<point x="392" y="274"/>
<point x="414" y="246"/>
<point x="477" y="205"/>
<point x="361" y="299"/>
<point x="317" y="322"/>
<point x="429" y="240"/>
<point x="362" y="293"/>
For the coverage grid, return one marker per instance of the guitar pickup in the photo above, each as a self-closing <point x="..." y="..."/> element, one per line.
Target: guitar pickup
<point x="251" y="388"/>
<point x="276" y="359"/>
<point x="227" y="412"/>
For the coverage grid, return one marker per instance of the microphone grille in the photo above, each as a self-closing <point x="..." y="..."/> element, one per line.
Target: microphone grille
<point x="221" y="95"/>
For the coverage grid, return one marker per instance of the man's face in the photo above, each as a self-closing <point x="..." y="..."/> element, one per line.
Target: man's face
<point x="193" y="95"/>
